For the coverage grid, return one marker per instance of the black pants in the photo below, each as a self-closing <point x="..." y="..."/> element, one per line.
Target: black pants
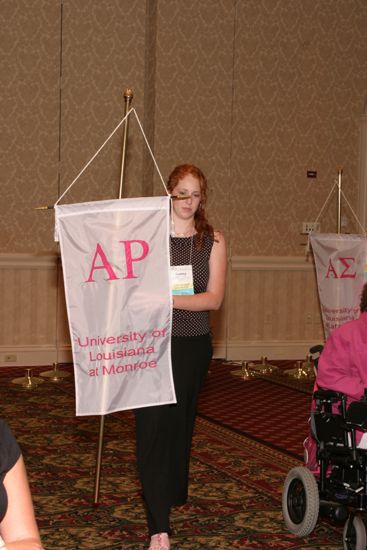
<point x="164" y="433"/>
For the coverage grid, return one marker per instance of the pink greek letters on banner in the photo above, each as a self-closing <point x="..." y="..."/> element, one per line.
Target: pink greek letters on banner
<point x="129" y="259"/>
<point x="344" y="268"/>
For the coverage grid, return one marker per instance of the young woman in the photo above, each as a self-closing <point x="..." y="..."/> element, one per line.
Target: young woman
<point x="164" y="433"/>
<point x="18" y="528"/>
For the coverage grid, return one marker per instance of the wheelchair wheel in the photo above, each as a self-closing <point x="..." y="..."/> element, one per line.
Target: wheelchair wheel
<point x="300" y="501"/>
<point x="354" y="534"/>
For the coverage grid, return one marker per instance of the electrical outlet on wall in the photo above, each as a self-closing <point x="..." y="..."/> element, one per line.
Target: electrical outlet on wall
<point x="309" y="227"/>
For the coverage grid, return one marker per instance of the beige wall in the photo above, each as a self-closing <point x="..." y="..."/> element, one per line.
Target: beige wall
<point x="271" y="309"/>
<point x="255" y="92"/>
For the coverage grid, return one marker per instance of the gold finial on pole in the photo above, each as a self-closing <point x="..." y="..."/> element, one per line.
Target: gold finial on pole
<point x="128" y="93"/>
<point x="128" y="96"/>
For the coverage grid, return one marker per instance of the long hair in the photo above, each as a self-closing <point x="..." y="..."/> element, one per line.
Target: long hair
<point x="202" y="226"/>
<point x="363" y="303"/>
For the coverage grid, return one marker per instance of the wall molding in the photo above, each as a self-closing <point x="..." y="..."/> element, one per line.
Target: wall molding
<point x="28" y="261"/>
<point x="33" y="356"/>
<point x="254" y="350"/>
<point x="265" y="263"/>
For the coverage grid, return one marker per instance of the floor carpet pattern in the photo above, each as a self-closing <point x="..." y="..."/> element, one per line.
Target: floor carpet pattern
<point x="235" y="485"/>
<point x="273" y="410"/>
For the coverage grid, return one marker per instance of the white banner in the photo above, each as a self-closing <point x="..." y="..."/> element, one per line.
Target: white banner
<point x="340" y="261"/>
<point x="115" y="257"/>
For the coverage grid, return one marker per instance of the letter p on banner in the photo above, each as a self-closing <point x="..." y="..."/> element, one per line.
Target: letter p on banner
<point x="115" y="258"/>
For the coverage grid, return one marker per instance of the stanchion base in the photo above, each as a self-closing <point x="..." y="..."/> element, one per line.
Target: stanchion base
<point x="300" y="374"/>
<point x="244" y="372"/>
<point x="28" y="382"/>
<point x="262" y="369"/>
<point x="55" y="375"/>
<point x="302" y="371"/>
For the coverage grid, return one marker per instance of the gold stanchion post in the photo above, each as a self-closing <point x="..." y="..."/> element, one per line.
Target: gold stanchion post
<point x="128" y="96"/>
<point x="56" y="375"/>
<point x="339" y="214"/>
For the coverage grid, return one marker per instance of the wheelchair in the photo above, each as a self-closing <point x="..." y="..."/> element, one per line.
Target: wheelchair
<point x="337" y="488"/>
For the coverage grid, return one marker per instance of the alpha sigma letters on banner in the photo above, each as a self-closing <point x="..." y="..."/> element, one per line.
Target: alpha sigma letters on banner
<point x="340" y="262"/>
<point x="115" y="257"/>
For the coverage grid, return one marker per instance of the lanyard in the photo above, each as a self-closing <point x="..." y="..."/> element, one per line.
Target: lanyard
<point x="182" y="279"/>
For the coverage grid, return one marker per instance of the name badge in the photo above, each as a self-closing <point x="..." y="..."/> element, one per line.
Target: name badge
<point x="182" y="281"/>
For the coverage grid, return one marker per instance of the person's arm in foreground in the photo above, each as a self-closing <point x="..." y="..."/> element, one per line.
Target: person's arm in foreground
<point x="212" y="298"/>
<point x="19" y="528"/>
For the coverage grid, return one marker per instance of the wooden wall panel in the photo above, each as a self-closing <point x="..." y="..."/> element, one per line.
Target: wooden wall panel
<point x="30" y="317"/>
<point x="271" y="308"/>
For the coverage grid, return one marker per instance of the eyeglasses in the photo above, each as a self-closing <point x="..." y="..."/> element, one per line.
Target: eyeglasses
<point x="183" y="195"/>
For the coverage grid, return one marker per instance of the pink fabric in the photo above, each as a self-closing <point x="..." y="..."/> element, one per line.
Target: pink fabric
<point x="343" y="362"/>
<point x="342" y="367"/>
<point x="310" y="447"/>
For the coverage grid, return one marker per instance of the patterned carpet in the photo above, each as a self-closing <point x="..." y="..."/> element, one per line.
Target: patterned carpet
<point x="236" y="477"/>
<point x="273" y="410"/>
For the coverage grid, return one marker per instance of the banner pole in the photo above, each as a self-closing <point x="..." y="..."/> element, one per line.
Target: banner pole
<point x="340" y="171"/>
<point x="128" y="95"/>
<point x="99" y="460"/>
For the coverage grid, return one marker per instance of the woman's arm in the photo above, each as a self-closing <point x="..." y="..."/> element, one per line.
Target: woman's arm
<point x="19" y="528"/>
<point x="338" y="365"/>
<point x="213" y="297"/>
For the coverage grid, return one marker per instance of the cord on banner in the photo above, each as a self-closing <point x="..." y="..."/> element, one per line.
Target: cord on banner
<point x="132" y="110"/>
<point x="337" y="183"/>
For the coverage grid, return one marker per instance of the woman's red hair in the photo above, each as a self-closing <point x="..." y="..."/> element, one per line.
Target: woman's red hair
<point x="202" y="225"/>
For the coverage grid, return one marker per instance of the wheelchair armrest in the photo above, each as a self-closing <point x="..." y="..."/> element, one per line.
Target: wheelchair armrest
<point x="356" y="415"/>
<point x="316" y="349"/>
<point x="329" y="396"/>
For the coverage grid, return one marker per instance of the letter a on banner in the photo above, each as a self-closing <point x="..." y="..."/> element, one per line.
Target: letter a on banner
<point x="115" y="257"/>
<point x="340" y="267"/>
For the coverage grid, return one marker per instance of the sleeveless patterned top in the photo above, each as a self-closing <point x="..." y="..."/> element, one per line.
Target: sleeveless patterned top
<point x="192" y="323"/>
